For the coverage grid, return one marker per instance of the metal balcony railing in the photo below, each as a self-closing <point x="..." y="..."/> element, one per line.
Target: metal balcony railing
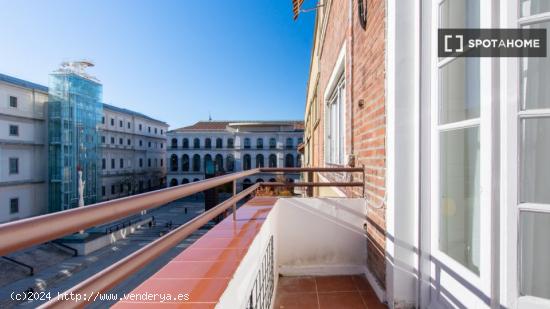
<point x="25" y="233"/>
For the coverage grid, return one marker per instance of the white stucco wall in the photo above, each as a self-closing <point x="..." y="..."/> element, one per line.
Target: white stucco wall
<point x="28" y="146"/>
<point x="321" y="236"/>
<point x="311" y="236"/>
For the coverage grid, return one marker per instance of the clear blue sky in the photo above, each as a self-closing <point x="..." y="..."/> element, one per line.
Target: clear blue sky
<point x="172" y="60"/>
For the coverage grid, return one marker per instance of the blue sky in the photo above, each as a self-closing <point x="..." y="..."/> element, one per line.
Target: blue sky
<point x="176" y="61"/>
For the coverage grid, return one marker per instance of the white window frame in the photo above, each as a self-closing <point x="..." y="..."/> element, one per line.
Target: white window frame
<point x="336" y="81"/>
<point x="511" y="115"/>
<point x="483" y="280"/>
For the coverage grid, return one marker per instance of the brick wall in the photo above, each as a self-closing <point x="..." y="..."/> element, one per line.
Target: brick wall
<point x="365" y="125"/>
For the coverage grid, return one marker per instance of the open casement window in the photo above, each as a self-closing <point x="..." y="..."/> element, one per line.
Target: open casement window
<point x="461" y="155"/>
<point x="335" y="119"/>
<point x="459" y="161"/>
<point x="533" y="115"/>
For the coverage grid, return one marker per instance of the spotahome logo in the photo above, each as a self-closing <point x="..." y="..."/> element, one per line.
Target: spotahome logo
<point x="492" y="43"/>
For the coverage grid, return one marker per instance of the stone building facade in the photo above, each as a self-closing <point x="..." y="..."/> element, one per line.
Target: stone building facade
<point x="23" y="173"/>
<point x="232" y="146"/>
<point x="133" y="152"/>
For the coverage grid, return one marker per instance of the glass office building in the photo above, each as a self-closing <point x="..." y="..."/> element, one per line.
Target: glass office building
<point x="74" y="114"/>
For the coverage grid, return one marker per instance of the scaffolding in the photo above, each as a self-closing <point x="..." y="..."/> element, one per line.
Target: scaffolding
<point x="74" y="116"/>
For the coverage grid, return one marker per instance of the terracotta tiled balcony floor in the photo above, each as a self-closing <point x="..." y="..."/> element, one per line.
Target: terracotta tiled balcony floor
<point x="205" y="269"/>
<point x="330" y="292"/>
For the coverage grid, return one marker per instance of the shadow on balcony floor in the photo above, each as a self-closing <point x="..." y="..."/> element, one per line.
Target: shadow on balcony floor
<point x="332" y="292"/>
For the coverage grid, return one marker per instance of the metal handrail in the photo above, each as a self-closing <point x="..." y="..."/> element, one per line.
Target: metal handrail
<point x="24" y="233"/>
<point x="311" y="184"/>
<point x="109" y="277"/>
<point x="27" y="232"/>
<point x="310" y="169"/>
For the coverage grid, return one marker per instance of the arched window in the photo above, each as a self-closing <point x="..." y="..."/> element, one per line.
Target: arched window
<point x="259" y="180"/>
<point x="173" y="182"/>
<point x="247" y="143"/>
<point x="196" y="179"/>
<point x="272" y="160"/>
<point x="184" y="181"/>
<point x="218" y="163"/>
<point x="259" y="160"/>
<point x="207" y="143"/>
<point x="196" y="163"/>
<point x="300" y="140"/>
<point x="260" y="143"/>
<point x="185" y="143"/>
<point x="247" y="162"/>
<point x="208" y="164"/>
<point x="246" y="183"/>
<point x="272" y="143"/>
<point x="219" y="143"/>
<point x="230" y="161"/>
<point x="289" y="143"/>
<point x="298" y="161"/>
<point x="196" y="143"/>
<point x="185" y="163"/>
<point x="272" y="180"/>
<point x="229" y="143"/>
<point x="289" y="160"/>
<point x="173" y="163"/>
<point x="174" y="143"/>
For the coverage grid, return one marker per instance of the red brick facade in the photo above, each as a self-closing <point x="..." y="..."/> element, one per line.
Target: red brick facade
<point x="365" y="107"/>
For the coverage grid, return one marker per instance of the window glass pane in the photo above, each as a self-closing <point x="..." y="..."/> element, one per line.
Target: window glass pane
<point x="459" y="90"/>
<point x="13" y="101"/>
<point x="535" y="78"/>
<point x="459" y="14"/>
<point x="14" y="205"/>
<point x="459" y="196"/>
<point x="534" y="254"/>
<point x="532" y="7"/>
<point x="535" y="161"/>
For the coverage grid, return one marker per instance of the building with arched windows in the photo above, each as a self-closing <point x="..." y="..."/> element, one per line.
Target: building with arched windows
<point x="231" y="146"/>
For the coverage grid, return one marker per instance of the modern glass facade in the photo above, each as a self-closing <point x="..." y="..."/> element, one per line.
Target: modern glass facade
<point x="74" y="114"/>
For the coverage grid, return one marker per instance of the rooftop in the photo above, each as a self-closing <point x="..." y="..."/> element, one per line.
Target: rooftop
<point x="221" y="125"/>
<point x="131" y="112"/>
<point x="30" y="85"/>
<point x="22" y="83"/>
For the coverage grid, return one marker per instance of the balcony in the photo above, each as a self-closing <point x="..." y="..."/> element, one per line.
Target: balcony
<point x="273" y="251"/>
